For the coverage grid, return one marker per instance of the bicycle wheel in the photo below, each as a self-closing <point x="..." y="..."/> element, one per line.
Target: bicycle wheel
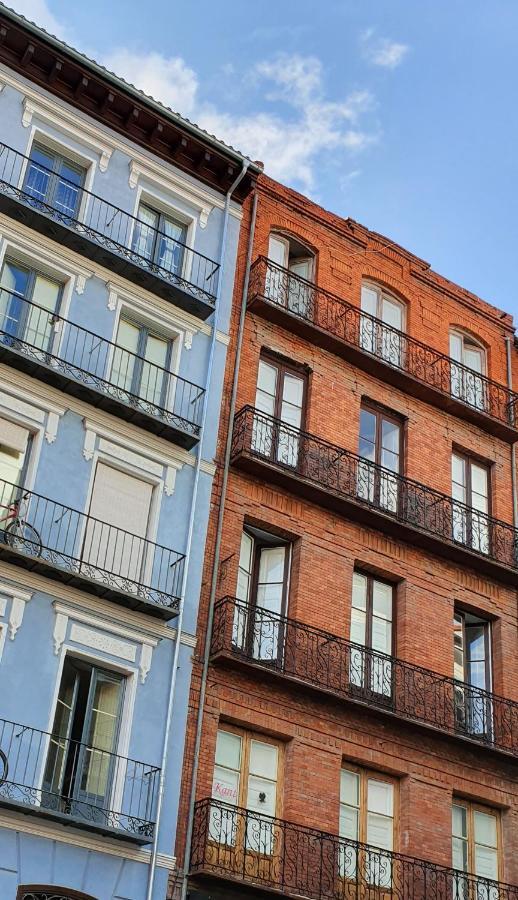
<point x="4" y="768"/>
<point x="23" y="537"/>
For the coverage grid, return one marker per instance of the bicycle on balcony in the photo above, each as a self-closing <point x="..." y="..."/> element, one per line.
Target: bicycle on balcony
<point x="18" y="533"/>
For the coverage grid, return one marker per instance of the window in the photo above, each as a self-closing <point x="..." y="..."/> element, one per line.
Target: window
<point x="289" y="277"/>
<point x="160" y="239"/>
<point x="465" y="382"/>
<point x="475" y="847"/>
<point x="29" y="301"/>
<point x="366" y="815"/>
<point x="472" y="671"/>
<point x="246" y="773"/>
<point x="49" y="892"/>
<point x="470" y="488"/>
<point x="141" y="362"/>
<point x="383" y="338"/>
<point x="15" y="441"/>
<point x="371" y="627"/>
<point x="262" y="588"/>
<point x="80" y="763"/>
<point x="124" y="502"/>
<point x="280" y="394"/>
<point x="55" y="180"/>
<point x="381" y="445"/>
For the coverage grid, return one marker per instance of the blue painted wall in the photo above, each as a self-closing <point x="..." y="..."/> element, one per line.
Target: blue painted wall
<point x="29" y="667"/>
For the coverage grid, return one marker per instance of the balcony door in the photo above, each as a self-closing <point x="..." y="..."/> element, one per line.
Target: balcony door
<point x="470" y="488"/>
<point x="116" y="530"/>
<point x="466" y="381"/>
<point x="246" y="773"/>
<point x="280" y="395"/>
<point x="288" y="280"/>
<point x="80" y="764"/>
<point x="381" y="329"/>
<point x="367" y="801"/>
<point x="29" y="303"/>
<point x="262" y="590"/>
<point x="370" y="663"/>
<point x="472" y="672"/>
<point x="475" y="851"/>
<point x="54" y="180"/>
<point x="140" y="363"/>
<point x="380" y="447"/>
<point x="160" y="239"/>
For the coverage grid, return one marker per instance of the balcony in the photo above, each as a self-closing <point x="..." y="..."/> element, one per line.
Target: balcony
<point x="57" y="778"/>
<point x="112" y="237"/>
<point x="358" y="489"/>
<point x="66" y="545"/>
<point x="382" y="351"/>
<point x="289" y="649"/>
<point x="292" y="860"/>
<point x="85" y="365"/>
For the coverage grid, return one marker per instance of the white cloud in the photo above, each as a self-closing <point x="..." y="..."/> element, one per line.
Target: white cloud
<point x="168" y="79"/>
<point x="291" y="128"/>
<point x="38" y="11"/>
<point x="382" y="51"/>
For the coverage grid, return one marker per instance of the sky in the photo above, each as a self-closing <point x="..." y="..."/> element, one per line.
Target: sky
<point x="401" y="114"/>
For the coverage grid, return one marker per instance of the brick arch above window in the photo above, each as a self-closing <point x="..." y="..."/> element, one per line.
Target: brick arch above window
<point x="50" y="892"/>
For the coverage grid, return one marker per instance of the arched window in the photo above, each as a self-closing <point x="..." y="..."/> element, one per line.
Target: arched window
<point x="383" y="337"/>
<point x="290" y="275"/>
<point x="471" y="359"/>
<point x="49" y="892"/>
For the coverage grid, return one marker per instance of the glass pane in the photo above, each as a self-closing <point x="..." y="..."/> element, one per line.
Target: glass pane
<point x="123" y="365"/>
<point x="153" y="377"/>
<point x="381" y="636"/>
<point x="228" y="749"/>
<point x="474" y="358"/>
<point x="459" y="821"/>
<point x="456" y="347"/>
<point x="263" y="759"/>
<point x="379" y="831"/>
<point x="458" y="470"/>
<point x="267" y="378"/>
<point x="278" y="251"/>
<point x="359" y="591"/>
<point x="358" y="620"/>
<point x="271" y="567"/>
<point x="225" y="785"/>
<point x="479" y="479"/>
<point x="348" y="822"/>
<point x="459" y="854"/>
<point x="369" y="301"/>
<point x="262" y="795"/>
<point x="382" y="600"/>
<point x="486" y="862"/>
<point x="38" y="329"/>
<point x="367" y="426"/>
<point x="67" y="190"/>
<point x="392" y="314"/>
<point x="380" y="797"/>
<point x="485" y="829"/>
<point x="171" y="244"/>
<point x="59" y="745"/>
<point x="38" y="178"/>
<point x="349" y="787"/>
<point x="293" y="389"/>
<point x="145" y="232"/>
<point x="102" y="735"/>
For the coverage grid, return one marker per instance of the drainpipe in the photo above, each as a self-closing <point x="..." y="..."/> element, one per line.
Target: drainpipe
<point x="508" y="342"/>
<point x="217" y="549"/>
<point x="199" y="456"/>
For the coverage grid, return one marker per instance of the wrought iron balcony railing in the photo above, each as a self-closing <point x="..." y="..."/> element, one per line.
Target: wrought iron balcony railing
<point x="82" y="363"/>
<point x="296" y="861"/>
<point x="382" y="350"/>
<point x="70" y="546"/>
<point x="57" y="777"/>
<point x="125" y="243"/>
<point x="329" y="663"/>
<point x="335" y="477"/>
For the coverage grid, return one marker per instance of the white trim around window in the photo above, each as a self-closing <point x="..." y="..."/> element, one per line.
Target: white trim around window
<point x="26" y="252"/>
<point x="83" y="133"/>
<point x="40" y="418"/>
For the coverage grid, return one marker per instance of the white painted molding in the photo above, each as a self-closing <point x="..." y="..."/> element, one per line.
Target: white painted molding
<point x="19" y="598"/>
<point x="118" y="452"/>
<point x="60" y="630"/>
<point x="115" y="444"/>
<point x="170" y="479"/>
<point x="81" y="280"/>
<point x="112" y="296"/>
<point x="46" y="415"/>
<point x="187" y="341"/>
<point x="86" y="134"/>
<point x="89" y="444"/>
<point x="176" y="185"/>
<point x="100" y="640"/>
<point x="146" y="655"/>
<point x="2" y="85"/>
<point x="51" y="430"/>
<point x="16" y="616"/>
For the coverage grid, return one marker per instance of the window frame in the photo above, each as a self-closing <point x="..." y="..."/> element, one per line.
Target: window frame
<point x="472" y="807"/>
<point x="380" y="412"/>
<point x="310" y="256"/>
<point x="146" y="329"/>
<point x="365" y="775"/>
<point x="284" y="367"/>
<point x="34" y="272"/>
<point x="476" y="343"/>
<point x="258" y="545"/>
<point x="381" y="294"/>
<point x="470" y="460"/>
<point x="371" y="578"/>
<point x="247" y="736"/>
<point x="59" y="156"/>
<point x="163" y="210"/>
<point x="63" y="893"/>
<point x="488" y="641"/>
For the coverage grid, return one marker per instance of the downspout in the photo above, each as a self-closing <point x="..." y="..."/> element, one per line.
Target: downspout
<point x="199" y="457"/>
<point x="514" y="413"/>
<point x="217" y="549"/>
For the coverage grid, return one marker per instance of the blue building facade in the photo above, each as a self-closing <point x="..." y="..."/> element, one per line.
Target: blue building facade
<point x="119" y="226"/>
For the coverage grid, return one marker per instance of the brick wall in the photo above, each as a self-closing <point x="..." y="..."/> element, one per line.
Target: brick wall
<point x="321" y="732"/>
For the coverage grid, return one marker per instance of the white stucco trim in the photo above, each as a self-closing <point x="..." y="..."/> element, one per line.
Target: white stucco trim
<point x="175" y="186"/>
<point x="13" y="600"/>
<point x="75" y="837"/>
<point x="101" y="136"/>
<point x="40" y="417"/>
<point x="65" y="122"/>
<point x="29" y="250"/>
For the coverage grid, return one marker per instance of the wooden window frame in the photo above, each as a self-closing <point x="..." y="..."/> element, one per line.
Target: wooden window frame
<point x="381" y="413"/>
<point x="472" y="806"/>
<point x="286" y="368"/>
<point x="382" y="294"/>
<point x="470" y="459"/>
<point x="247" y="737"/>
<point x="476" y="343"/>
<point x="487" y="644"/>
<point x="258" y="546"/>
<point x="365" y="775"/>
<point x="371" y="578"/>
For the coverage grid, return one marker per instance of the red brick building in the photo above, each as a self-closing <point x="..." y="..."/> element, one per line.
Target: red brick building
<point x="360" y="704"/>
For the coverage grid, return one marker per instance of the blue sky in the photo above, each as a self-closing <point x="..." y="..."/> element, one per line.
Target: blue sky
<point x="399" y="113"/>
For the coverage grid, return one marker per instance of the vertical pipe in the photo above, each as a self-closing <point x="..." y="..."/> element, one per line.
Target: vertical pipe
<point x="174" y="668"/>
<point x="215" y="563"/>
<point x="508" y="341"/>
